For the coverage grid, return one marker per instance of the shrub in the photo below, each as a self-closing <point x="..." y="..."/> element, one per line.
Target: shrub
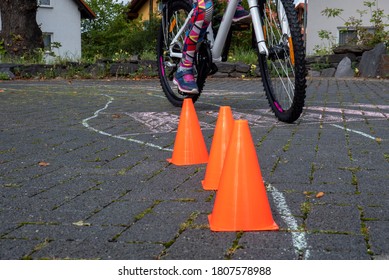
<point x="377" y="18"/>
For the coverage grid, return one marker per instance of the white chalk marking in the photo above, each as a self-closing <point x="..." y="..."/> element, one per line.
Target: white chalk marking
<point x="298" y="237"/>
<point x="96" y="114"/>
<point x="254" y="120"/>
<point x="161" y="121"/>
<point x="355" y="131"/>
<point x="156" y="122"/>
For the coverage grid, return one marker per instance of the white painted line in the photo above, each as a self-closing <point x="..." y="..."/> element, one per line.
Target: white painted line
<point x="96" y="114"/>
<point x="355" y="131"/>
<point x="298" y="237"/>
<point x="348" y="112"/>
<point x="370" y="106"/>
<point x="326" y="118"/>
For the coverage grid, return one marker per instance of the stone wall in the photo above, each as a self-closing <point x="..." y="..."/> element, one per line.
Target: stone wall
<point x="101" y="69"/>
<point x="351" y="62"/>
<point x="372" y="63"/>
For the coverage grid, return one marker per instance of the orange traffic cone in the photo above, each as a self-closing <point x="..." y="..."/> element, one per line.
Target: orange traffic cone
<point x="241" y="202"/>
<point x="221" y="138"/>
<point x="189" y="145"/>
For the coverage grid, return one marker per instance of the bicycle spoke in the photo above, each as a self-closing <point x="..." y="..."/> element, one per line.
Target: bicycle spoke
<point x="284" y="82"/>
<point x="282" y="67"/>
<point x="169" y="47"/>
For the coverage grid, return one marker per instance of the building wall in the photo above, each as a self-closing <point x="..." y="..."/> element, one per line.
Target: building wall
<point x="63" y="21"/>
<point x="317" y="22"/>
<point x="144" y="11"/>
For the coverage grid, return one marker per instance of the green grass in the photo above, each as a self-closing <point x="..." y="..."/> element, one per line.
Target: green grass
<point x="247" y="56"/>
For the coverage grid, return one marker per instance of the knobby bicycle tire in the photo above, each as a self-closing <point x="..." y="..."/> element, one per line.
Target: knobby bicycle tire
<point x="174" y="14"/>
<point x="283" y="71"/>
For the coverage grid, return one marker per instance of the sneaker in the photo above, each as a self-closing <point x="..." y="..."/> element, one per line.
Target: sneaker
<point x="240" y="14"/>
<point x="185" y="81"/>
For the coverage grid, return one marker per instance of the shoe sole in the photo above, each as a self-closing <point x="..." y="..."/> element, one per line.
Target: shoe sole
<point x="193" y="91"/>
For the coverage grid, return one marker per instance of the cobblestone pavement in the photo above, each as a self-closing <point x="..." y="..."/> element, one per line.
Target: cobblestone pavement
<point x="83" y="172"/>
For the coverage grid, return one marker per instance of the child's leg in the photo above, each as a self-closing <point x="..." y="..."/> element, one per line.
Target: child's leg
<point x="200" y="20"/>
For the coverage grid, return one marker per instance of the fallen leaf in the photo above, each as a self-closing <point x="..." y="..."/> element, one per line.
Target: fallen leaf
<point x="81" y="224"/>
<point x="116" y="116"/>
<point x="319" y="194"/>
<point x="43" y="163"/>
<point x="307" y="193"/>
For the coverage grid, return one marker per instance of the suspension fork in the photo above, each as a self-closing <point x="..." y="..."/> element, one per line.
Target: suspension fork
<point x="258" y="28"/>
<point x="257" y="24"/>
<point x="283" y="19"/>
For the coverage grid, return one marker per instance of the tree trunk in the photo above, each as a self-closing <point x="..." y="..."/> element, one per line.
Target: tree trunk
<point x="19" y="28"/>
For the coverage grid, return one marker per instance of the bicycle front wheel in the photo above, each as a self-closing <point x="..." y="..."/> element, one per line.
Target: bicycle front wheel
<point x="174" y="15"/>
<point x="283" y="70"/>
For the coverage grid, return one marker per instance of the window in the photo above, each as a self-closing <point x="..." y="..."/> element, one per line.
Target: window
<point x="47" y="40"/>
<point x="44" y="3"/>
<point x="349" y="35"/>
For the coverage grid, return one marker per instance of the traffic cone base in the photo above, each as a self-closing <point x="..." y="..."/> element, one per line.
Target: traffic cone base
<point x="237" y="227"/>
<point x="189" y="145"/>
<point x="241" y="202"/>
<point x="221" y="138"/>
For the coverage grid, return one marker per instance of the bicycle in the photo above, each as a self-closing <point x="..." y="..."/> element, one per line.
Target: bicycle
<point x="278" y="41"/>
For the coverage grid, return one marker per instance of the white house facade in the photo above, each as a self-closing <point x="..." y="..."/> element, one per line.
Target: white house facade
<point x="317" y="21"/>
<point x="60" y="22"/>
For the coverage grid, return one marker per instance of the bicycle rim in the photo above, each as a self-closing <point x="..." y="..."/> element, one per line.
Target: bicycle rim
<point x="283" y="70"/>
<point x="175" y="15"/>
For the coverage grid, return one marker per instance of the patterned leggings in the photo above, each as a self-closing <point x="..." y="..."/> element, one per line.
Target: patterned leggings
<point x="201" y="18"/>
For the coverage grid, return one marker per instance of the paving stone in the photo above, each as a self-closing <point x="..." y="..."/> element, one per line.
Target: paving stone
<point x="265" y="246"/>
<point x="340" y="219"/>
<point x="152" y="227"/>
<point x="15" y="249"/>
<point x="72" y="232"/>
<point x="378" y="237"/>
<point x="197" y="244"/>
<point x="95" y="249"/>
<point x="341" y="247"/>
<point x="109" y="192"/>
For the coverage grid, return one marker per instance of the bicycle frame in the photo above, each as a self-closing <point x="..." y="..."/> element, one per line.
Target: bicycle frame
<point x="217" y="43"/>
